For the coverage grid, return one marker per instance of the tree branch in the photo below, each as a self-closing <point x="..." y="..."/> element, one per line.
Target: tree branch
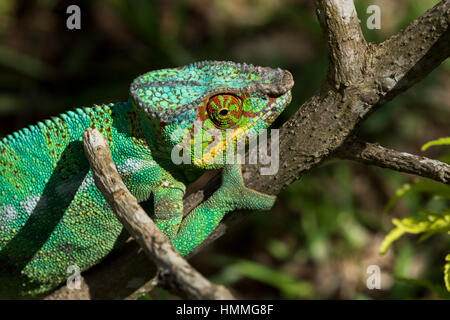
<point x="345" y="41"/>
<point x="155" y="244"/>
<point x="374" y="154"/>
<point x="361" y="78"/>
<point x="408" y="56"/>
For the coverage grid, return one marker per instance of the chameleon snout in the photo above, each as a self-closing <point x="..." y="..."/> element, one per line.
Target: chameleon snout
<point x="281" y="81"/>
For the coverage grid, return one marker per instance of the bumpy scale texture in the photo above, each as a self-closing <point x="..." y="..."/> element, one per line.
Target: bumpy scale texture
<point x="53" y="216"/>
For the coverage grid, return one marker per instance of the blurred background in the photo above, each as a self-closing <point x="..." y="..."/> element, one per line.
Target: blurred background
<point x="326" y="229"/>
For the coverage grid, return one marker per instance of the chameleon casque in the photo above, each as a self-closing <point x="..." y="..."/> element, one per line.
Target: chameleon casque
<point x="51" y="213"/>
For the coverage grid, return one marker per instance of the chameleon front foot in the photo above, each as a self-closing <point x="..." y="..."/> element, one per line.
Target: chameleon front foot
<point x="232" y="195"/>
<point x="242" y="197"/>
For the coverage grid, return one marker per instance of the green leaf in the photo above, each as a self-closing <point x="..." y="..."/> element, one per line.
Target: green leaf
<point x="438" y="142"/>
<point x="428" y="223"/>
<point x="289" y="287"/>
<point x="439" y="290"/>
<point x="26" y="64"/>
<point x="392" y="236"/>
<point x="278" y="249"/>
<point x="422" y="186"/>
<point x="447" y="272"/>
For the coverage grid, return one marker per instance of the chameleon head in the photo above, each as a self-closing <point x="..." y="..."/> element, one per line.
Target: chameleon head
<point x="212" y="104"/>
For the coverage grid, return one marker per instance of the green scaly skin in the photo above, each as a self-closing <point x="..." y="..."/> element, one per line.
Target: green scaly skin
<point x="53" y="216"/>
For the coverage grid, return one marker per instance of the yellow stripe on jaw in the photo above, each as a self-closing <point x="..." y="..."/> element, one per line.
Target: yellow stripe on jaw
<point x="208" y="158"/>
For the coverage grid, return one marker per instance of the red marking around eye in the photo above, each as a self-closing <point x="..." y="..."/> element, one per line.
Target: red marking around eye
<point x="234" y="99"/>
<point x="215" y="105"/>
<point x="236" y="113"/>
<point x="201" y="111"/>
<point x="250" y="114"/>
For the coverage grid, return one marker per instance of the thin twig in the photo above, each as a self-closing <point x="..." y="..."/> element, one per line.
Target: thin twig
<point x="374" y="154"/>
<point x="345" y="41"/>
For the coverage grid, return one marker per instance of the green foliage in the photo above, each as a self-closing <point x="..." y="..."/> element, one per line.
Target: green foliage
<point x="438" y="142"/>
<point x="289" y="287"/>
<point x="439" y="290"/>
<point x="447" y="272"/>
<point x="425" y="186"/>
<point x="426" y="222"/>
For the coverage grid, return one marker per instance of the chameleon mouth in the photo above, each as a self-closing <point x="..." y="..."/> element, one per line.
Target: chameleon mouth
<point x="274" y="109"/>
<point x="268" y="115"/>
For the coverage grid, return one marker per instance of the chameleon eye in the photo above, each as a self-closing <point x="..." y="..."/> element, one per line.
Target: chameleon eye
<point x="224" y="110"/>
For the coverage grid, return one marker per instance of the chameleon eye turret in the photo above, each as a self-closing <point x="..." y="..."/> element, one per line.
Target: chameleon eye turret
<point x="225" y="110"/>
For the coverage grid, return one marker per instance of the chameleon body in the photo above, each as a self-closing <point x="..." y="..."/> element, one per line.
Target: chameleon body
<point x="51" y="213"/>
